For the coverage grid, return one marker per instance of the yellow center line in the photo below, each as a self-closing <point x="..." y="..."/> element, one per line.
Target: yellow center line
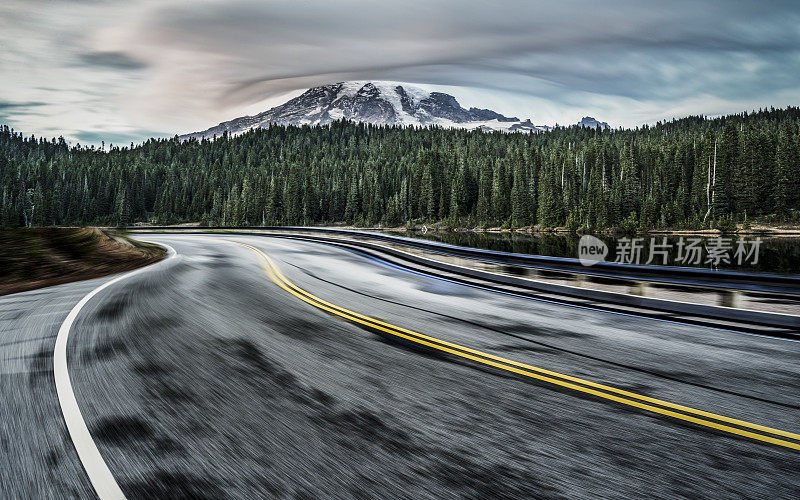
<point x="532" y="371"/>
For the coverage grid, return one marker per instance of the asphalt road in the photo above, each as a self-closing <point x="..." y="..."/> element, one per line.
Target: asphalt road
<point x="201" y="377"/>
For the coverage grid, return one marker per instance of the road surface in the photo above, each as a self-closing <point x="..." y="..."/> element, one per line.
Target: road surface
<point x="202" y="377"/>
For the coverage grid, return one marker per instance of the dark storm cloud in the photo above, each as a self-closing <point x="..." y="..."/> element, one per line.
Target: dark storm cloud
<point x="180" y="66"/>
<point x="634" y="49"/>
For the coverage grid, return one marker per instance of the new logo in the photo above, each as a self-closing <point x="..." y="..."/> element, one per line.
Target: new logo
<point x="591" y="250"/>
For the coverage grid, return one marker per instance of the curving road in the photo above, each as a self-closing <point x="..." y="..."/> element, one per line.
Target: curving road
<point x="202" y="377"/>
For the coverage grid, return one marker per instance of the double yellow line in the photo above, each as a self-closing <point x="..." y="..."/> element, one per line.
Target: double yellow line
<point x="699" y="417"/>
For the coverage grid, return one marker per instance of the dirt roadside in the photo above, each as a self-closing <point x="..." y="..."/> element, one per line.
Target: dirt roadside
<point x="40" y="257"/>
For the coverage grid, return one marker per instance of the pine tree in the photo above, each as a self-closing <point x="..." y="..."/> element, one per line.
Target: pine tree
<point x="122" y="207"/>
<point x="484" y="192"/>
<point x="247" y="208"/>
<point x="519" y="197"/>
<point x="551" y="208"/>
<point x="500" y="203"/>
<point x="458" y="196"/>
<point x="630" y="188"/>
<point x="728" y="164"/>
<point x="353" y="208"/>
<point x="216" y="209"/>
<point x="428" y="196"/>
<point x="787" y="170"/>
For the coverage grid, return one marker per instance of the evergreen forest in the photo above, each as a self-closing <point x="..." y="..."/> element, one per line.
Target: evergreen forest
<point x="694" y="172"/>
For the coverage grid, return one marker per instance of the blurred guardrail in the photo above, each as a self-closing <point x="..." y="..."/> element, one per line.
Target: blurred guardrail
<point x="657" y="287"/>
<point x="758" y="282"/>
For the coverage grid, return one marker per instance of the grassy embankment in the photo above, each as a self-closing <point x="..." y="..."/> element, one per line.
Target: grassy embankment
<point x="35" y="258"/>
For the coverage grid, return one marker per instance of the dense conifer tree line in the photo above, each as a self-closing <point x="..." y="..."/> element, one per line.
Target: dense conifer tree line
<point x="692" y="172"/>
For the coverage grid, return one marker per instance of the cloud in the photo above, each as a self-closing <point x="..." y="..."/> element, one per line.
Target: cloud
<point x="9" y="111"/>
<point x="168" y="65"/>
<point x="113" y="59"/>
<point x="121" y="139"/>
<point x="5" y="105"/>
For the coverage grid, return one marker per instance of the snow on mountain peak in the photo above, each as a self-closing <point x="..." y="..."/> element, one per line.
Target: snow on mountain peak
<point x="591" y="122"/>
<point x="376" y="102"/>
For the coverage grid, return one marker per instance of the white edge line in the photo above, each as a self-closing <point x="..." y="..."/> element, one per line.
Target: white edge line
<point x="99" y="474"/>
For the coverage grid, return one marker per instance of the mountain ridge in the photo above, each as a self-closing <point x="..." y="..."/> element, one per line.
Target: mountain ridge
<point x="591" y="122"/>
<point x="380" y="103"/>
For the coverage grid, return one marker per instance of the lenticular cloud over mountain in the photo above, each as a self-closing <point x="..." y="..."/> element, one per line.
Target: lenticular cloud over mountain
<point x="121" y="71"/>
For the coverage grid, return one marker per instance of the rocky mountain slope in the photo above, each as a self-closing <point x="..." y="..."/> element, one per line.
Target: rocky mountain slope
<point x="382" y="103"/>
<point x="591" y="122"/>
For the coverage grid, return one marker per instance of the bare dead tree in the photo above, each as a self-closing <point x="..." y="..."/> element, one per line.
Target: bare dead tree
<point x="711" y="193"/>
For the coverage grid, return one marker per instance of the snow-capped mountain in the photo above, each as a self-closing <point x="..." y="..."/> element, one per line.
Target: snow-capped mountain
<point x="381" y="103"/>
<point x="590" y="122"/>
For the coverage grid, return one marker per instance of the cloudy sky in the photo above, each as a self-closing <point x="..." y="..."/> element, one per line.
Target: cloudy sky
<point x="123" y="71"/>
